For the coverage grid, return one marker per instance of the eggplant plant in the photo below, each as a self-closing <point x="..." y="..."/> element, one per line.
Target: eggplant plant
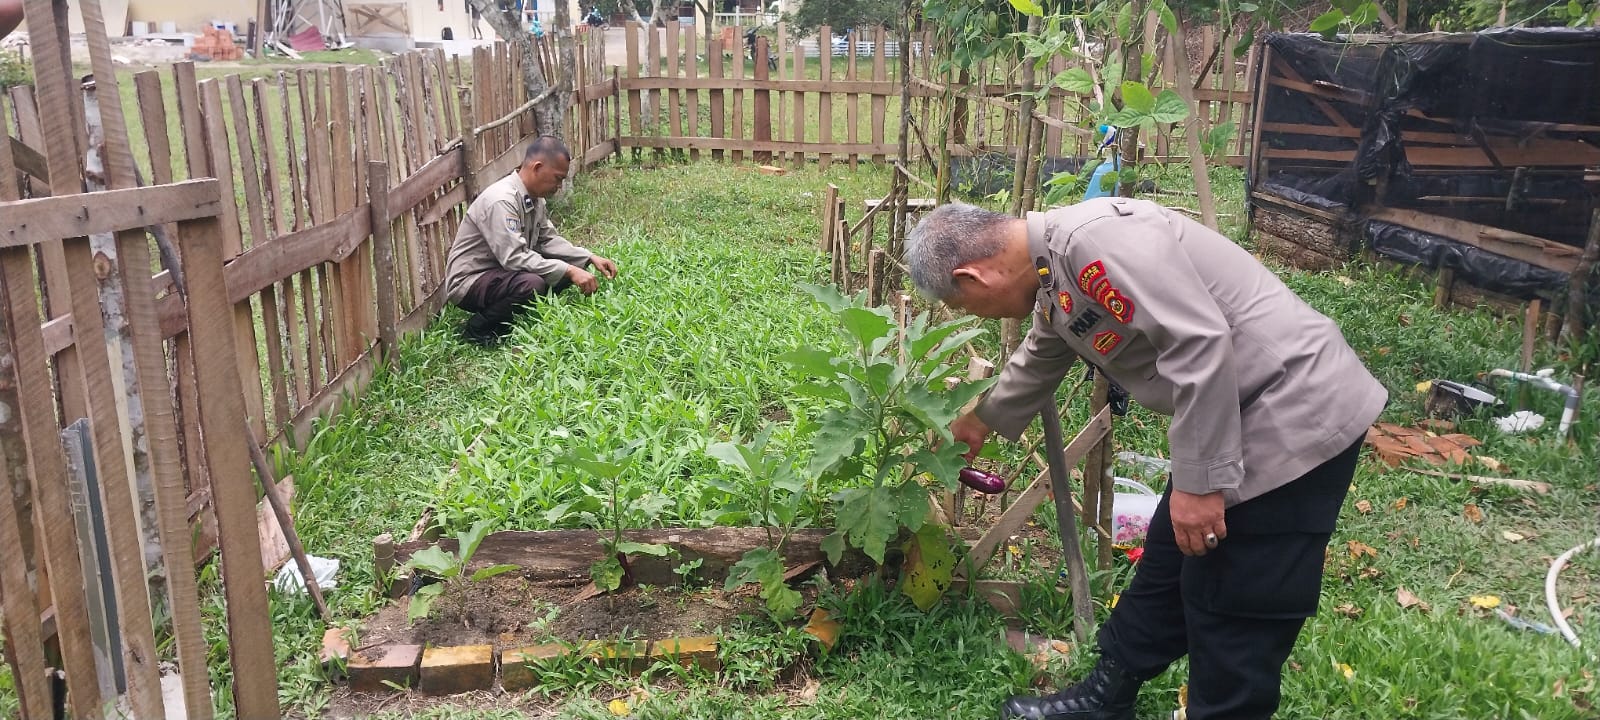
<point x="619" y="504"/>
<point x="450" y="568"/>
<point x="886" y="429"/>
<point x="774" y="500"/>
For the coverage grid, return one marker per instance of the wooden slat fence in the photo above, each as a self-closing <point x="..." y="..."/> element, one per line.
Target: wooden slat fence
<point x="840" y="102"/>
<point x="302" y="221"/>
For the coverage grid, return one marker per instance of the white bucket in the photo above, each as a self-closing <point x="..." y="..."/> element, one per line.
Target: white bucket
<point x="1131" y="511"/>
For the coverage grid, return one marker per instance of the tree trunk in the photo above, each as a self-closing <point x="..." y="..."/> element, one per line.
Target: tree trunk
<point x="508" y="25"/>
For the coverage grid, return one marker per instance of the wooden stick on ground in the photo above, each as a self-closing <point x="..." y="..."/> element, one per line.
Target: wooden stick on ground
<point x="269" y="487"/>
<point x="1543" y="488"/>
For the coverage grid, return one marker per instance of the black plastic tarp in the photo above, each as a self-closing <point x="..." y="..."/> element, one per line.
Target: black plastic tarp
<point x="1383" y="102"/>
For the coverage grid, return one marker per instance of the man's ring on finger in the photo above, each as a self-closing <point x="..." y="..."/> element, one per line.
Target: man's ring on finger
<point x="1211" y="541"/>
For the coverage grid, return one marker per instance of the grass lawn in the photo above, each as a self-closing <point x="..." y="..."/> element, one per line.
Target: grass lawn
<point x="680" y="352"/>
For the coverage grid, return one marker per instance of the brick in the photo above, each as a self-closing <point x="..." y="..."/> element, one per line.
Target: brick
<point x="687" y="651"/>
<point x="632" y="657"/>
<point x="452" y="670"/>
<point x="335" y="645"/>
<point x="372" y="668"/>
<point x="516" y="670"/>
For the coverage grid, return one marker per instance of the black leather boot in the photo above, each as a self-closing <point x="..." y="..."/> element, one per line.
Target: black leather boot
<point x="1107" y="693"/>
<point x="483" y="332"/>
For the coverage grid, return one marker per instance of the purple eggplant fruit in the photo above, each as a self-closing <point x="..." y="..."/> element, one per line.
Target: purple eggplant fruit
<point x="984" y="482"/>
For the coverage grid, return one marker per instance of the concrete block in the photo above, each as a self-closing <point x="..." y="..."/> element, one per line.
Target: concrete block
<point x="631" y="657"/>
<point x="516" y="666"/>
<point x="452" y="670"/>
<point x="372" y="668"/>
<point x="687" y="651"/>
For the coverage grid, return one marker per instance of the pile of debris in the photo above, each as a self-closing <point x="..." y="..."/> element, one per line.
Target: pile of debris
<point x="1395" y="444"/>
<point x="214" y="44"/>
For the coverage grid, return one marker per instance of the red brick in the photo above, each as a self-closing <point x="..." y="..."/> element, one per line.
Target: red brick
<point x="373" y="668"/>
<point x="516" y="666"/>
<point x="687" y="651"/>
<point x="452" y="670"/>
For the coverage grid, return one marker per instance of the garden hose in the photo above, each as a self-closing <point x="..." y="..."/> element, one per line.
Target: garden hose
<point x="1550" y="589"/>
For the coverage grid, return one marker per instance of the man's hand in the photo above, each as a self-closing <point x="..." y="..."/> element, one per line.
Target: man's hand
<point x="972" y="431"/>
<point x="607" y="267"/>
<point x="584" y="279"/>
<point x="1195" y="516"/>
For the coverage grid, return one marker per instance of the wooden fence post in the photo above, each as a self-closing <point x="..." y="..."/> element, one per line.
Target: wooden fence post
<point x="383" y="258"/>
<point x="763" y="103"/>
<point x="469" y="143"/>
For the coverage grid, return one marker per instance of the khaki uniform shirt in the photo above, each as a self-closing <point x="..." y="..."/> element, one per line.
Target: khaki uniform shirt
<point x="1261" y="388"/>
<point x="507" y="228"/>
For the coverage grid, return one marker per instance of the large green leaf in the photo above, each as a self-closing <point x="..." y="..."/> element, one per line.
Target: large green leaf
<point x="1327" y="21"/>
<point x="422" y="601"/>
<point x="1111" y="71"/>
<point x="1169" y="107"/>
<point x="911" y="504"/>
<point x="730" y="454"/>
<point x="818" y="363"/>
<point x="866" y="326"/>
<point x="827" y="295"/>
<point x="922" y="339"/>
<point x="606" y="574"/>
<point x="841" y="435"/>
<point x="1124" y="22"/>
<point x="869" y="517"/>
<point x="1074" y="80"/>
<point x="948" y="348"/>
<point x="435" y="562"/>
<point x="467" y="542"/>
<point x="820" y="390"/>
<point x="494" y="570"/>
<point x="752" y="567"/>
<point x="833" y="546"/>
<point x="929" y="566"/>
<point x="929" y="408"/>
<point x="1136" y="96"/>
<point x="942" y="464"/>
<point x="1126" y="118"/>
<point x="1028" y="7"/>
<point x="598" y="468"/>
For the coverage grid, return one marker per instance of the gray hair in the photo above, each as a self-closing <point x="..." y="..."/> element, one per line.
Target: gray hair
<point x="947" y="238"/>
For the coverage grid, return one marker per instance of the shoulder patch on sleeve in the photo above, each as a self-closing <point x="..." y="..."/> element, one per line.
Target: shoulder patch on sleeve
<point x="1116" y="303"/>
<point x="1105" y="341"/>
<point x="514" y="225"/>
<point x="1090" y="275"/>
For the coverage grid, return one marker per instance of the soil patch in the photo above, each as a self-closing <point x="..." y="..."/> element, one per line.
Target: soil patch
<point x="510" y="611"/>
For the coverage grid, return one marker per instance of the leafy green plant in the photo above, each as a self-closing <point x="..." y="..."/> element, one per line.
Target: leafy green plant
<point x="886" y="423"/>
<point x="451" y="569"/>
<point x="14" y="70"/>
<point x="1214" y="142"/>
<point x="621" y="502"/>
<point x="774" y="499"/>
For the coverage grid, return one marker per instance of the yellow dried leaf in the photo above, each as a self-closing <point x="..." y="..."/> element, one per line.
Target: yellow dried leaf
<point x="1348" y="672"/>
<point x="1183" y="695"/>
<point x="1014" y="550"/>
<point x="1364" y="506"/>
<point x="1424" y="386"/>
<point x="1400" y="504"/>
<point x="1348" y="610"/>
<point x="1485" y="602"/>
<point x="1472" y="513"/>
<point x="1114" y="598"/>
<point x="619" y="707"/>
<point x="1492" y="464"/>
<point x="1513" y="536"/>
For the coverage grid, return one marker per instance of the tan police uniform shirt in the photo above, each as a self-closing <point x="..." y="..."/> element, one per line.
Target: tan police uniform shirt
<point x="507" y="228"/>
<point x="1261" y="388"/>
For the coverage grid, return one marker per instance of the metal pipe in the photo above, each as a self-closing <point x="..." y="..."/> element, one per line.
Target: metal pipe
<point x="1543" y="379"/>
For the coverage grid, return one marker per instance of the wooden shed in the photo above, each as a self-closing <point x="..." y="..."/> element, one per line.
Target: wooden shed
<point x="1474" y="156"/>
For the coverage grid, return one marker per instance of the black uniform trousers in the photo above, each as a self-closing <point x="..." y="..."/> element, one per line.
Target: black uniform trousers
<point x="1237" y="610"/>
<point x="497" y="295"/>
